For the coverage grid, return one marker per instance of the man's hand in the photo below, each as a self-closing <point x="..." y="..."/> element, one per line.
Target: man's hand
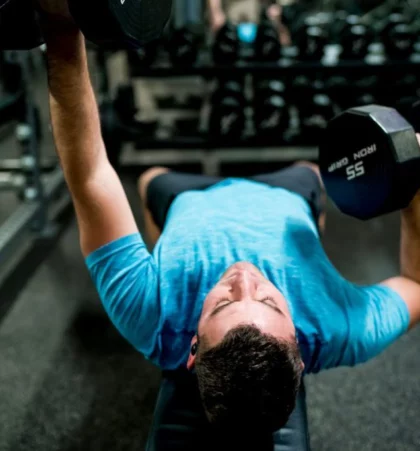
<point x="408" y="285"/>
<point x="55" y="8"/>
<point x="217" y="21"/>
<point x="274" y="13"/>
<point x="410" y="240"/>
<point x="55" y="17"/>
<point x="217" y="17"/>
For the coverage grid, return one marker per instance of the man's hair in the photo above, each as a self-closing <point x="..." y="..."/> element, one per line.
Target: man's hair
<point x="250" y="379"/>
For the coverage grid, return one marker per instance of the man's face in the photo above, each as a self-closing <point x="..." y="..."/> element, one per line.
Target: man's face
<point x="244" y="296"/>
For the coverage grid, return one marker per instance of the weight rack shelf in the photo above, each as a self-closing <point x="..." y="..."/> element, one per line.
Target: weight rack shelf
<point x="212" y="161"/>
<point x="193" y="143"/>
<point x="286" y="68"/>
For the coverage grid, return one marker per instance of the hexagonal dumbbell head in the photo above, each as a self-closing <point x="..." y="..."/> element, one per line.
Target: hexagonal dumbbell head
<point x="369" y="158"/>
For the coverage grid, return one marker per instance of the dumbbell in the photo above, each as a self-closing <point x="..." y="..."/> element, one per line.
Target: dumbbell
<point x="313" y="42"/>
<point x="144" y="56"/>
<point x="311" y="38"/>
<point x="338" y="24"/>
<point x="315" y="107"/>
<point x="302" y="89"/>
<point x="183" y="47"/>
<point x="346" y="93"/>
<point x="338" y="88"/>
<point x="113" y="24"/>
<point x="314" y="116"/>
<point x="394" y="19"/>
<point x="403" y="85"/>
<point x="271" y="112"/>
<point x="267" y="42"/>
<point x="227" y="117"/>
<point x="398" y="36"/>
<point x="365" y="90"/>
<point x="226" y="45"/>
<point x="370" y="161"/>
<point x="400" y="40"/>
<point x="355" y="42"/>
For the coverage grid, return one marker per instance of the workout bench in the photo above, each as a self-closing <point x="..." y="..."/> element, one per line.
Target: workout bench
<point x="179" y="422"/>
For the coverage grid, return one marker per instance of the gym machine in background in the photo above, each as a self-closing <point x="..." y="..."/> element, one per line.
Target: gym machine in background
<point x="22" y="174"/>
<point x="36" y="182"/>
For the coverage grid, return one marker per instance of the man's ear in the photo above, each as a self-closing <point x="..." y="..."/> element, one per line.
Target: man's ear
<point x="193" y="353"/>
<point x="301" y="362"/>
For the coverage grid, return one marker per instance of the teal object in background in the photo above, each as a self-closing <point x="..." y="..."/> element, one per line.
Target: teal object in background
<point x="247" y="32"/>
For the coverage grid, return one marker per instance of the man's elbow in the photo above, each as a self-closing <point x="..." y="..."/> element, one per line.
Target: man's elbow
<point x="81" y="174"/>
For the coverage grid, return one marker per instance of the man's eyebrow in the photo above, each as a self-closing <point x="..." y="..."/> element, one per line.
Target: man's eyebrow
<point x="217" y="310"/>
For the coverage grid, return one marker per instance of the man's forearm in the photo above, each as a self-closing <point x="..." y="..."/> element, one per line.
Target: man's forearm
<point x="74" y="112"/>
<point x="410" y="240"/>
<point x="215" y="6"/>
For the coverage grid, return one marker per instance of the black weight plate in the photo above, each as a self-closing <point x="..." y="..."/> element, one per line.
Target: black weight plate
<point x="117" y="24"/>
<point x="19" y="29"/>
<point x="272" y="116"/>
<point x="359" y="161"/>
<point x="3" y="3"/>
<point x="183" y="48"/>
<point x="226" y="45"/>
<point x="267" y="43"/>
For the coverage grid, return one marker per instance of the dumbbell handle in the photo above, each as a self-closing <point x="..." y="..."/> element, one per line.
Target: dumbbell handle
<point x="56" y="8"/>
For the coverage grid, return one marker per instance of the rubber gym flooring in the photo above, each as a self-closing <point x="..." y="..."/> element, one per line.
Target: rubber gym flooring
<point x="69" y="382"/>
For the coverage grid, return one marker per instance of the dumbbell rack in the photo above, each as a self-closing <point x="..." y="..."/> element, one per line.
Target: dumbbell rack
<point x="207" y="150"/>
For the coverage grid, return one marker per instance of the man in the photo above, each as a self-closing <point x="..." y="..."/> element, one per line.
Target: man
<point x="220" y="11"/>
<point x="238" y="287"/>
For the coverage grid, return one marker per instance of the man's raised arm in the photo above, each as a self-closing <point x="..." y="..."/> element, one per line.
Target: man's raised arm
<point x="408" y="285"/>
<point x="102" y="209"/>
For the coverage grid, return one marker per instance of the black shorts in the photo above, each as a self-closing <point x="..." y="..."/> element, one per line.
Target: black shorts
<point x="163" y="189"/>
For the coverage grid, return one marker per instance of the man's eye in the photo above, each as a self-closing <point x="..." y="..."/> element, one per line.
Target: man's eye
<point x="269" y="300"/>
<point x="222" y="302"/>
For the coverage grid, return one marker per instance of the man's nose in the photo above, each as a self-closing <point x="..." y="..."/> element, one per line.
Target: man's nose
<point x="244" y="286"/>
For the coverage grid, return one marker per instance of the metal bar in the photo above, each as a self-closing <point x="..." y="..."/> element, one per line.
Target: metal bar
<point x="15" y="164"/>
<point x="264" y="155"/>
<point x="15" y="227"/>
<point x="282" y="68"/>
<point x="24" y="264"/>
<point x="30" y="145"/>
<point x="22" y="220"/>
<point x="205" y="143"/>
<point x="11" y="181"/>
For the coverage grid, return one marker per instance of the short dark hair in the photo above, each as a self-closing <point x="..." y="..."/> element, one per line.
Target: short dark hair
<point x="250" y="379"/>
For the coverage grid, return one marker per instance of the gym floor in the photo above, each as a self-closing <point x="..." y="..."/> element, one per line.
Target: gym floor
<point x="69" y="382"/>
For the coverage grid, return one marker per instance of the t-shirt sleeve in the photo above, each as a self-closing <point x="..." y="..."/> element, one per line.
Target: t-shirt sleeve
<point x="125" y="276"/>
<point x="377" y="317"/>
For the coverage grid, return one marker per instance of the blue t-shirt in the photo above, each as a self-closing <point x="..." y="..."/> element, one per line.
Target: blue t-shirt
<point x="155" y="300"/>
